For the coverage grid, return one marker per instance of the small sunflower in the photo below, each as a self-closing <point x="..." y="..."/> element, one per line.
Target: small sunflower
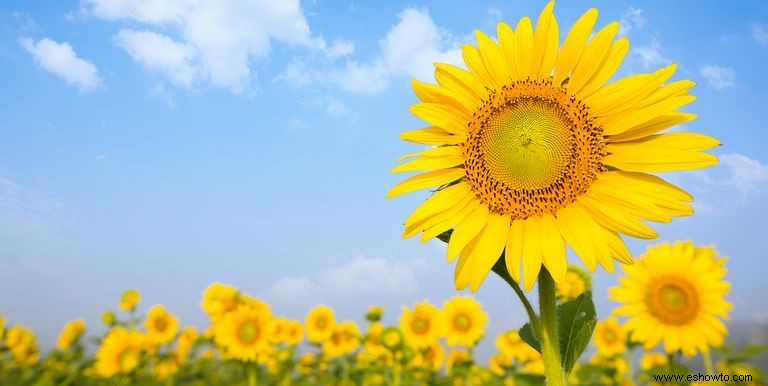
<point x="455" y="358"/>
<point x="129" y="300"/>
<point x="70" y="334"/>
<point x="374" y="313"/>
<point x="609" y="337"/>
<point x="22" y="344"/>
<point x="184" y="343"/>
<point x="433" y="357"/>
<point x="219" y="299"/>
<point x="511" y="345"/>
<point x="161" y="325"/>
<point x="391" y="338"/>
<point x="675" y="294"/>
<point x="652" y="359"/>
<point x="319" y="323"/>
<point x="293" y="332"/>
<point x="120" y="352"/>
<point x="423" y="326"/>
<point x="533" y="151"/>
<point x="465" y="321"/>
<point x="277" y="329"/>
<point x="344" y="339"/>
<point x="244" y="333"/>
<point x="575" y="283"/>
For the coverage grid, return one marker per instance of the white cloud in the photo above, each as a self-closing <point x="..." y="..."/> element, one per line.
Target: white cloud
<point x="650" y="55"/>
<point x="718" y="77"/>
<point x="631" y="19"/>
<point x="744" y="173"/>
<point x="227" y="35"/>
<point x="159" y="91"/>
<point x="760" y="34"/>
<point x="356" y="283"/>
<point x="410" y="48"/>
<point x="159" y="53"/>
<point x="61" y="59"/>
<point x="339" y="49"/>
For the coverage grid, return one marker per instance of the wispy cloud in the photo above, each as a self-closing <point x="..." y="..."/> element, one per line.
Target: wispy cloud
<point x="61" y="59"/>
<point x="718" y="77"/>
<point x="631" y="20"/>
<point x="744" y="173"/>
<point x="156" y="52"/>
<point x="760" y="33"/>
<point x="650" y="55"/>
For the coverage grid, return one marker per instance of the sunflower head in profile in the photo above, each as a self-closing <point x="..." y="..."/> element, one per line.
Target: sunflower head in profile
<point x="120" y="352"/>
<point x="609" y="337"/>
<point x="245" y="333"/>
<point x="532" y="150"/>
<point x="675" y="294"/>
<point x="464" y="321"/>
<point x="129" y="300"/>
<point x="423" y="325"/>
<point x="72" y="331"/>
<point x="161" y="325"/>
<point x="319" y="323"/>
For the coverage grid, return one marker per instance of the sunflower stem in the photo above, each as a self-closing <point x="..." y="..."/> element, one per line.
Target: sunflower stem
<point x="707" y="358"/>
<point x="252" y="379"/>
<point x="500" y="269"/>
<point x="548" y="332"/>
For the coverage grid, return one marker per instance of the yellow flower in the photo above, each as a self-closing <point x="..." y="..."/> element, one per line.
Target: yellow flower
<point x="423" y="326"/>
<point x="373" y="339"/>
<point x="161" y="325"/>
<point x="675" y="294"/>
<point x="575" y="283"/>
<point x="511" y="345"/>
<point x="120" y="352"/>
<point x="184" y="343"/>
<point x="244" y="333"/>
<point x="319" y="324"/>
<point x="129" y="299"/>
<point x="391" y="338"/>
<point x="433" y="356"/>
<point x="277" y="329"/>
<point x="535" y="366"/>
<point x="70" y="334"/>
<point x="374" y="313"/>
<point x="108" y="318"/>
<point x="2" y="326"/>
<point x="652" y="359"/>
<point x="22" y="343"/>
<point x="609" y="337"/>
<point x="616" y="363"/>
<point x="293" y="332"/>
<point x="219" y="299"/>
<point x="465" y="321"/>
<point x="344" y="339"/>
<point x="456" y="357"/>
<point x="499" y="363"/>
<point x="533" y="151"/>
<point x="165" y="368"/>
<point x="306" y="363"/>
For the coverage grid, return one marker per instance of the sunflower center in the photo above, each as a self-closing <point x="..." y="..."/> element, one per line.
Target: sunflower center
<point x="321" y="323"/>
<point x="128" y="359"/>
<point x="673" y="301"/>
<point x="248" y="332"/>
<point x="420" y="325"/>
<point x="531" y="149"/>
<point x="161" y="324"/>
<point x="610" y="336"/>
<point x="462" y="322"/>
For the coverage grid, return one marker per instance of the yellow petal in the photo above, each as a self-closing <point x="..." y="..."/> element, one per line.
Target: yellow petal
<point x="430" y="163"/>
<point x="490" y="245"/>
<point x="460" y="80"/>
<point x="514" y="249"/>
<point x="623" y="122"/>
<point x="524" y="47"/>
<point x="427" y="180"/>
<point x="625" y="93"/>
<point x="466" y="231"/>
<point x="573" y="46"/>
<point x="475" y="65"/>
<point x="653" y="126"/>
<point x="615" y="219"/>
<point x="432" y="136"/>
<point x="442" y="224"/>
<point x="553" y="248"/>
<point x="442" y="116"/>
<point x="592" y="58"/>
<point x="662" y="152"/>
<point x="545" y="41"/>
<point x="570" y="221"/>
<point x="531" y="251"/>
<point x="608" y="67"/>
<point x="507" y="45"/>
<point x="494" y="61"/>
<point x="439" y="201"/>
<point x="435" y="94"/>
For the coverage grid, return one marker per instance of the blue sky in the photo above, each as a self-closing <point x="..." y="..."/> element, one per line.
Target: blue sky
<point x="163" y="146"/>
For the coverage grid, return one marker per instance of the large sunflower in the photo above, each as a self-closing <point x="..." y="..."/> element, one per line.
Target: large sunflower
<point x="533" y="151"/>
<point x="245" y="333"/>
<point x="675" y="294"/>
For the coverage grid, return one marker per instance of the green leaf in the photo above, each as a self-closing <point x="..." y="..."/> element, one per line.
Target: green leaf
<point x="576" y="320"/>
<point x="527" y="335"/>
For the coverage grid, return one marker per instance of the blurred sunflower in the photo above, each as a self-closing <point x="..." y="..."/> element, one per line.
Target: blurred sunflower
<point x="344" y="339"/>
<point x="2" y="326"/>
<point x="72" y="331"/>
<point x="432" y="357"/>
<point x="120" y="352"/>
<point x="184" y="343"/>
<point x="533" y="151"/>
<point x="423" y="326"/>
<point x="219" y="299"/>
<point x="511" y="345"/>
<point x="23" y="345"/>
<point x="293" y="332"/>
<point x="161" y="325"/>
<point x="465" y="321"/>
<point x="456" y="357"/>
<point x="129" y="300"/>
<point x="499" y="363"/>
<point x="650" y="360"/>
<point x="319" y="323"/>
<point x="675" y="294"/>
<point x="575" y="283"/>
<point x="244" y="333"/>
<point x="609" y="337"/>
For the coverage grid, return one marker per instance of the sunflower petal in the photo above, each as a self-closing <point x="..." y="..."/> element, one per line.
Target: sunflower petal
<point x="653" y="126"/>
<point x="545" y="41"/>
<point x="609" y="66"/>
<point x="432" y="136"/>
<point x="531" y="252"/>
<point x="662" y="152"/>
<point x="466" y="231"/>
<point x="426" y="180"/>
<point x="592" y="58"/>
<point x="460" y="80"/>
<point x="573" y="46"/>
<point x="524" y="47"/>
<point x="513" y="251"/>
<point x="431" y="93"/>
<point x="507" y="45"/>
<point x="490" y="245"/>
<point x="493" y="58"/>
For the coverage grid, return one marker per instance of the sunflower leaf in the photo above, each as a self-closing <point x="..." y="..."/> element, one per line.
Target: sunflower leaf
<point x="527" y="335"/>
<point x="576" y="320"/>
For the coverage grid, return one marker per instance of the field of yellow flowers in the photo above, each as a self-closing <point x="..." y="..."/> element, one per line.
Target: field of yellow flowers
<point x="246" y="344"/>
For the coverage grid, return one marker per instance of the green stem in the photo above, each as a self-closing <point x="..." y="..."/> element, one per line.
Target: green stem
<point x="630" y="363"/>
<point x="500" y="268"/>
<point x="252" y="377"/>
<point x="707" y="358"/>
<point x="548" y="334"/>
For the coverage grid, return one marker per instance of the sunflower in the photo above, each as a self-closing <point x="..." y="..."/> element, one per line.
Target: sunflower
<point x="184" y="343"/>
<point x="391" y="338"/>
<point x="344" y="339"/>
<point x="423" y="326"/>
<point x="293" y="333"/>
<point x="510" y="344"/>
<point x="120" y="352"/>
<point x="277" y="329"/>
<point x="161" y="325"/>
<point x="432" y="357"/>
<point x="465" y="321"/>
<point x="652" y="359"/>
<point x="533" y="151"/>
<point x="219" y="299"/>
<point x="319" y="323"/>
<point x="575" y="283"/>
<point x="70" y="334"/>
<point x="22" y="344"/>
<point x="675" y="294"/>
<point x="374" y="313"/>
<point x="609" y="337"/>
<point x="499" y="363"/>
<point x="244" y="333"/>
<point x="129" y="300"/>
<point x="456" y="357"/>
